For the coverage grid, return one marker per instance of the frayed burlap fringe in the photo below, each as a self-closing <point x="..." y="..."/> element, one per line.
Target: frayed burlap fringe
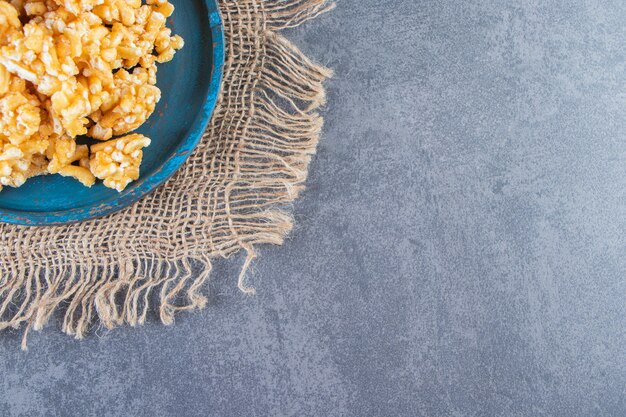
<point x="156" y="255"/>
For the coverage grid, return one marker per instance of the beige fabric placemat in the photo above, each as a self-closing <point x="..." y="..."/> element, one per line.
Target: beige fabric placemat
<point x="229" y="196"/>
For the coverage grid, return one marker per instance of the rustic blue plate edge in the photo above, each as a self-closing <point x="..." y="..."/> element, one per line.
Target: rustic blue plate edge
<point x="169" y="167"/>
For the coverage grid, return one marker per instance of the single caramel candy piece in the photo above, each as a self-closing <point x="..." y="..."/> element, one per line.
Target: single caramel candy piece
<point x="117" y="161"/>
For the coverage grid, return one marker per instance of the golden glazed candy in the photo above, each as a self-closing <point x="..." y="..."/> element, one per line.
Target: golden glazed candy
<point x="79" y="67"/>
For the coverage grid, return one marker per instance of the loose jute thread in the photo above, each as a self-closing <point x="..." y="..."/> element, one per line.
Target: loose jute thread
<point x="156" y="255"/>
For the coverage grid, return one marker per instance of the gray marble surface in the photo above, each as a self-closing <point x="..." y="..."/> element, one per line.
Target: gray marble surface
<point x="459" y="250"/>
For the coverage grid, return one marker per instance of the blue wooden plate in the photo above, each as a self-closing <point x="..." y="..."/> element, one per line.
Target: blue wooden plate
<point x="190" y="86"/>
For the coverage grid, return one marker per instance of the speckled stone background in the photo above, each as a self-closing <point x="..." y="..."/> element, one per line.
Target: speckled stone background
<point x="460" y="250"/>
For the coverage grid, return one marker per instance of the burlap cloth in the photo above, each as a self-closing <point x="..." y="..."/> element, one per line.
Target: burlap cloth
<point x="229" y="196"/>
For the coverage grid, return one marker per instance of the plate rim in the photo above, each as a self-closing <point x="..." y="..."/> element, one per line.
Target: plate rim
<point x="166" y="170"/>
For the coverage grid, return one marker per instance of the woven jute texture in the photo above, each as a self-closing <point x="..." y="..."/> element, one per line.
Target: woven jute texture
<point x="230" y="196"/>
